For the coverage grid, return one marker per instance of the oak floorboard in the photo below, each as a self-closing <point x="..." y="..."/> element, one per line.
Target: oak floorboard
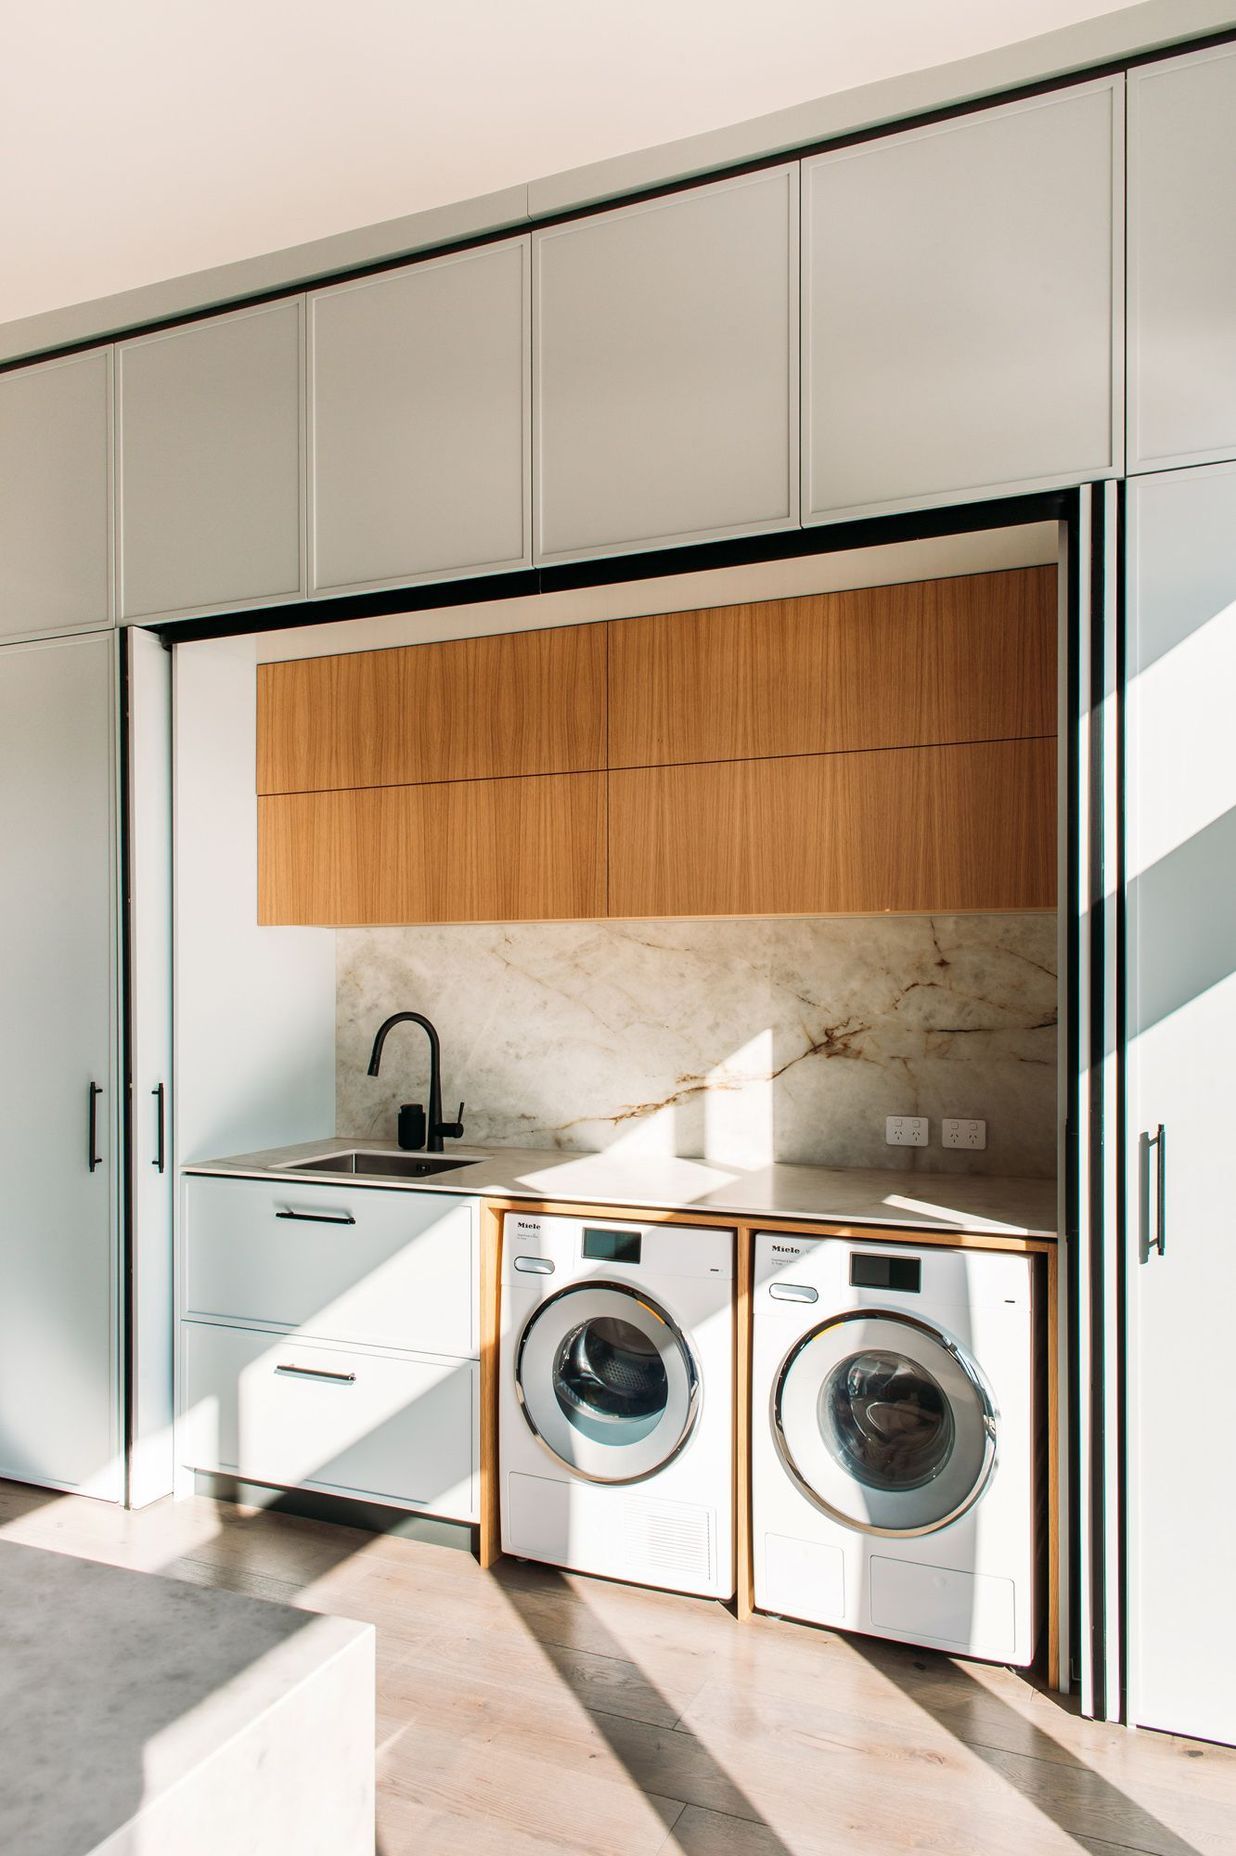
<point x="546" y="1672"/>
<point x="587" y="1812"/>
<point x="527" y="1712"/>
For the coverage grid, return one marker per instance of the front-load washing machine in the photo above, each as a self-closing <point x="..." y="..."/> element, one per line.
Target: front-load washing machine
<point x="615" y="1417"/>
<point x="893" y="1449"/>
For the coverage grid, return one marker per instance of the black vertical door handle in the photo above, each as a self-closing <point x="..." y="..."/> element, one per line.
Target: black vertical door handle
<point x="93" y="1159"/>
<point x="160" y="1158"/>
<point x="1153" y="1238"/>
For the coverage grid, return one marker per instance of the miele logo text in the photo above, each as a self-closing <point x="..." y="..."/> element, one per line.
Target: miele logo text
<point x="787" y="1250"/>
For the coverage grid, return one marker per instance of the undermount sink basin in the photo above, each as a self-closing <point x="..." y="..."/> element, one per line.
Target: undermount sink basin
<point x="384" y="1166"/>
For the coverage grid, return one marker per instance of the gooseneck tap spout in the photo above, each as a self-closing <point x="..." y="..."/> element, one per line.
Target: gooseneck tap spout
<point x="436" y="1127"/>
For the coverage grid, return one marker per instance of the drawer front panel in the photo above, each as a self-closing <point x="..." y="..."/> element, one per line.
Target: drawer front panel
<point x="271" y="1409"/>
<point x="347" y="1263"/>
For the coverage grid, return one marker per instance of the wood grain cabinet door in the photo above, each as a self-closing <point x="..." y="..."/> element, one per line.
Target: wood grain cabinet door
<point x="419" y="422"/>
<point x="925" y="829"/>
<point x="971" y="659"/>
<point x="1182" y="260"/>
<point x="56" y="496"/>
<point x="962" y="297"/>
<point x="467" y="709"/>
<point x="666" y="369"/>
<point x="210" y="420"/>
<point x="462" y="851"/>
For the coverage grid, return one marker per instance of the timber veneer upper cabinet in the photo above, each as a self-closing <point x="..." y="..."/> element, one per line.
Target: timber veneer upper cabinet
<point x="461" y="781"/>
<point x="666" y="370"/>
<point x="962" y="289"/>
<point x="419" y="422"/>
<point x="210" y="421"/>
<point x="930" y="662"/>
<point x="56" y="501"/>
<point x="887" y="750"/>
<point x="1182" y="261"/>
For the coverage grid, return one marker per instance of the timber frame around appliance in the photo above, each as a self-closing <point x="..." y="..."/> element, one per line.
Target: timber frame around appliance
<point x="489" y="1543"/>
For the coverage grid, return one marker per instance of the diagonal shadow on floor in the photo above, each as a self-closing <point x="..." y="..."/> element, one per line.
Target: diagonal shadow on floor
<point x="1083" y="1804"/>
<point x="638" y="1745"/>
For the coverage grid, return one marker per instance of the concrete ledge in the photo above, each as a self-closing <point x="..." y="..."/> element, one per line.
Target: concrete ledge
<point x="145" y="1717"/>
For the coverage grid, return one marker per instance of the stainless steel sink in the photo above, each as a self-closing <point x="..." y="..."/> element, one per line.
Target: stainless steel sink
<point x="379" y="1165"/>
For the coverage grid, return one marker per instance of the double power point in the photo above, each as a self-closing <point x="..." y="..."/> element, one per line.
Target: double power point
<point x="912" y="1131"/>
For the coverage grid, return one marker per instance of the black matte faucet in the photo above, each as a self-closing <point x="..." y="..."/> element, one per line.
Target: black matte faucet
<point x="436" y="1127"/>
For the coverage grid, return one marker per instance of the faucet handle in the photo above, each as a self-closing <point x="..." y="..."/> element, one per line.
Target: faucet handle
<point x="453" y="1130"/>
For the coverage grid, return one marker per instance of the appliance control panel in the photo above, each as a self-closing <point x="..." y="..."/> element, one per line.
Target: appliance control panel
<point x="847" y="1273"/>
<point x="534" y="1245"/>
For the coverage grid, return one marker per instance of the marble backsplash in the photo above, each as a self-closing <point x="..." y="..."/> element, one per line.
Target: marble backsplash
<point x="739" y="1041"/>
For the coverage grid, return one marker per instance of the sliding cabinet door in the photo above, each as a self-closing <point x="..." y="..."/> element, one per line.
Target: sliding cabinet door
<point x="1181" y="1266"/>
<point x="59" y="1113"/>
<point x="149" y="746"/>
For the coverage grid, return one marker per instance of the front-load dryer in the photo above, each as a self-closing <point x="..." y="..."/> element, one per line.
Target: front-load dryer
<point x="893" y="1454"/>
<point x="615" y="1425"/>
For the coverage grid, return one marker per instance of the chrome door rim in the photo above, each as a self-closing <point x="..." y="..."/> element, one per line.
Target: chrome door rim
<point x="684" y="1352"/>
<point x="959" y="1358"/>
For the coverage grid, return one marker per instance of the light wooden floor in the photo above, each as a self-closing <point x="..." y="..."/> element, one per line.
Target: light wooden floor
<point x="528" y="1712"/>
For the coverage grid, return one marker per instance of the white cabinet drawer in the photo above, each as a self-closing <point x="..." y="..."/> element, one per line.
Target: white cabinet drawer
<point x="347" y="1263"/>
<point x="268" y="1408"/>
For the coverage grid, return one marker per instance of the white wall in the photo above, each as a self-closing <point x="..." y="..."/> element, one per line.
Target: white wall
<point x="143" y="140"/>
<point x="254" y="1007"/>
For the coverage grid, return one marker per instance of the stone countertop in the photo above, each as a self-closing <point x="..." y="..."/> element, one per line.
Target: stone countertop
<point x="122" y="1691"/>
<point x="965" y="1203"/>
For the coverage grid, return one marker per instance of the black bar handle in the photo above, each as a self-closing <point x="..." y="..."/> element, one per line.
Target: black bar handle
<point x="93" y="1159"/>
<point x="318" y="1372"/>
<point x="318" y="1217"/>
<point x="160" y="1159"/>
<point x="1157" y="1243"/>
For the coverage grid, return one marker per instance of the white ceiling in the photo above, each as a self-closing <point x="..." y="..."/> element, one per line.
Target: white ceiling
<point x="145" y="138"/>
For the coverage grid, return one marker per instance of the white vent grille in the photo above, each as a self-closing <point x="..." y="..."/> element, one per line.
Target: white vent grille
<point x="669" y="1539"/>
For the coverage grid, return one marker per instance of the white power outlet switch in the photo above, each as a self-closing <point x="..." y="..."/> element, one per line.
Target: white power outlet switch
<point x="971" y="1134"/>
<point x="905" y="1131"/>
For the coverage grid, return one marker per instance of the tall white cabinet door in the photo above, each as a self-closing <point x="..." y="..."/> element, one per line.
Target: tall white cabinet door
<point x="210" y="419"/>
<point x="151" y="1169"/>
<point x="59" y="1279"/>
<point x="56" y="496"/>
<point x="419" y="426"/>
<point x="1182" y="260"/>
<point x="962" y="293"/>
<point x="1181" y="1267"/>
<point x="665" y="370"/>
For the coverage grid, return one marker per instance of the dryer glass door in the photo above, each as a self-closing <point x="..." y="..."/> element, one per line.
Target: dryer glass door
<point x="607" y="1381"/>
<point x="884" y="1423"/>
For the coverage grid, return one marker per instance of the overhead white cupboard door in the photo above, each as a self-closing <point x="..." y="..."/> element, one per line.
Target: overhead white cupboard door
<point x="1182" y="260"/>
<point x="59" y="1115"/>
<point x="666" y="370"/>
<point x="961" y="307"/>
<point x="1180" y="852"/>
<point x="56" y="496"/>
<point x="419" y="420"/>
<point x="210" y="419"/>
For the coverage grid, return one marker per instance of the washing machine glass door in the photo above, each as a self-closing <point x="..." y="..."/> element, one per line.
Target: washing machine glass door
<point x="607" y="1381"/>
<point x="884" y="1423"/>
